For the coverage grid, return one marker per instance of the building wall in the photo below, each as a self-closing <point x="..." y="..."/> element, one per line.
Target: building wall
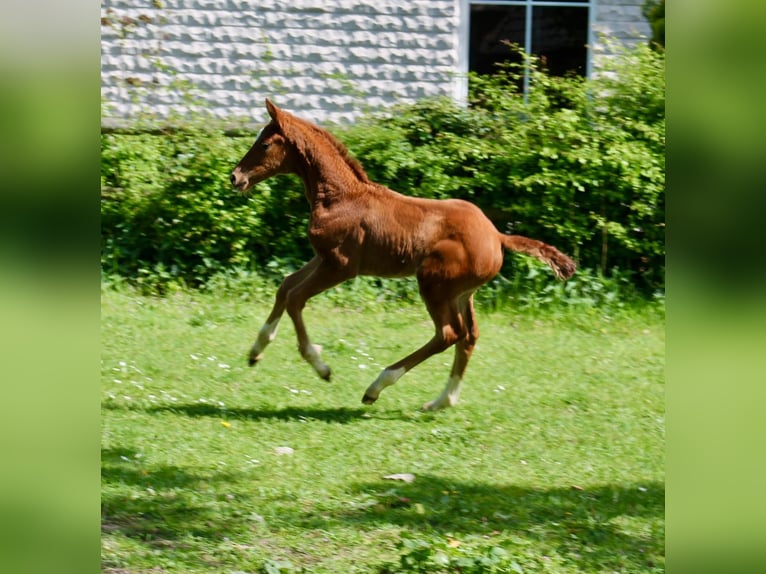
<point x="621" y="20"/>
<point x="326" y="60"/>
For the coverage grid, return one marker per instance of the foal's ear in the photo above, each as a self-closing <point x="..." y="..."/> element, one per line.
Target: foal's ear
<point x="272" y="109"/>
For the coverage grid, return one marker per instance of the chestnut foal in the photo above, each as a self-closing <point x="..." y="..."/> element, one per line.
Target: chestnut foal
<point x="358" y="227"/>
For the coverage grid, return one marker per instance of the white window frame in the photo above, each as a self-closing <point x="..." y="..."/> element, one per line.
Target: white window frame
<point x="464" y="30"/>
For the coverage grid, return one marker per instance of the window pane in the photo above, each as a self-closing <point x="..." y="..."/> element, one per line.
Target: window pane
<point x="490" y="27"/>
<point x="559" y="37"/>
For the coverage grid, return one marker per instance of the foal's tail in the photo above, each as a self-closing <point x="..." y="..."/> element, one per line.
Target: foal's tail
<point x="562" y="265"/>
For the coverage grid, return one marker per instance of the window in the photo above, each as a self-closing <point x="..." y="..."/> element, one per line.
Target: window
<point x="559" y="32"/>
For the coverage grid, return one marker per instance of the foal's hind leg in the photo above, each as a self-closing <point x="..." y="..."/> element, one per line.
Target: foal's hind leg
<point x="463" y="350"/>
<point x="269" y="330"/>
<point x="449" y="329"/>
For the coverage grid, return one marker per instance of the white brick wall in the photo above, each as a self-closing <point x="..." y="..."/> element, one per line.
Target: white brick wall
<point x="621" y="20"/>
<point x="327" y="60"/>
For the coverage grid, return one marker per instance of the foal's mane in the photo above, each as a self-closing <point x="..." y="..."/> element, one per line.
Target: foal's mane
<point x="312" y="131"/>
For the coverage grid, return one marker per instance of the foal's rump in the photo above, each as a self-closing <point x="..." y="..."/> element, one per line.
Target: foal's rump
<point x="467" y="238"/>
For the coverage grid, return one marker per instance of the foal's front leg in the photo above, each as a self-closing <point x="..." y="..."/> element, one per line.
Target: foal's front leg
<point x="311" y="279"/>
<point x="321" y="277"/>
<point x="269" y="330"/>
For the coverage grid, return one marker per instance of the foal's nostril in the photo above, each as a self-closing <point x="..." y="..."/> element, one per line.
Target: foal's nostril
<point x="233" y="180"/>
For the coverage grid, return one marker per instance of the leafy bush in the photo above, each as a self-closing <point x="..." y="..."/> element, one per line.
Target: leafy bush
<point x="577" y="163"/>
<point x="654" y="11"/>
<point x="169" y="215"/>
<point x="580" y="164"/>
<point x="437" y="556"/>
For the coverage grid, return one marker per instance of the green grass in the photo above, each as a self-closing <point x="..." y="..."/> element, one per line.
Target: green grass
<point x="552" y="462"/>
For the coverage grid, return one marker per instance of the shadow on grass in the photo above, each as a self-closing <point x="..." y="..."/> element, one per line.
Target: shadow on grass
<point x="611" y="527"/>
<point x="598" y="528"/>
<point x="161" y="505"/>
<point x="341" y="415"/>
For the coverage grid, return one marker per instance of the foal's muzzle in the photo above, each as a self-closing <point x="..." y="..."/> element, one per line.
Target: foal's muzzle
<point x="238" y="180"/>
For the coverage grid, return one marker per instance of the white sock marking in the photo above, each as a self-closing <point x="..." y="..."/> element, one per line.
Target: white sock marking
<point x="312" y="355"/>
<point x="386" y="378"/>
<point x="265" y="336"/>
<point x="449" y="396"/>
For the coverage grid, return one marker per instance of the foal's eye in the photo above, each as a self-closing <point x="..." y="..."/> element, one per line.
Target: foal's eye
<point x="265" y="145"/>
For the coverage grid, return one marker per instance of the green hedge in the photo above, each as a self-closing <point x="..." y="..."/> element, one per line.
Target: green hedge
<point x="580" y="164"/>
<point x="169" y="214"/>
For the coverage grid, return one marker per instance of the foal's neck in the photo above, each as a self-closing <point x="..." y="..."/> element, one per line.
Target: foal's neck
<point x="327" y="178"/>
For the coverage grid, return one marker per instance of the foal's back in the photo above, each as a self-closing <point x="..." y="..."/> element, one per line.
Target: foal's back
<point x="401" y="234"/>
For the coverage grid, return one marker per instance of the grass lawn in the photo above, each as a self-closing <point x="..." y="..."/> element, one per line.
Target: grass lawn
<point x="553" y="461"/>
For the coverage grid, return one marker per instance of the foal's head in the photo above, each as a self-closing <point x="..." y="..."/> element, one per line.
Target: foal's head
<point x="270" y="154"/>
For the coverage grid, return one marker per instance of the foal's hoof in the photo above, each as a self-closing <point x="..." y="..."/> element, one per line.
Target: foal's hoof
<point x="253" y="358"/>
<point x="368" y="400"/>
<point x="326" y="375"/>
<point x="438" y="404"/>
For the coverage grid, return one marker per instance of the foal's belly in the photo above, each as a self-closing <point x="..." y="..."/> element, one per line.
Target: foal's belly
<point x="386" y="265"/>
